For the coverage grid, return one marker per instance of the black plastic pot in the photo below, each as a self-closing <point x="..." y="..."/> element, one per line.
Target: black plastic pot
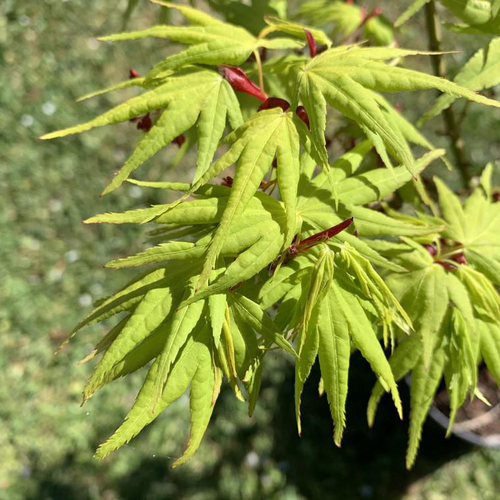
<point x="465" y="430"/>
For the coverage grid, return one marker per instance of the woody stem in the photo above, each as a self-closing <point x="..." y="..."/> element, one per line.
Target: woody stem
<point x="259" y="69"/>
<point x="450" y="121"/>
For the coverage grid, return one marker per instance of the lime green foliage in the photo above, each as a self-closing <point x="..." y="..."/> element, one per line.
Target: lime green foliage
<point x="318" y="268"/>
<point x="454" y="306"/>
<point x="481" y="72"/>
<point x="347" y="20"/>
<point x="478" y="16"/>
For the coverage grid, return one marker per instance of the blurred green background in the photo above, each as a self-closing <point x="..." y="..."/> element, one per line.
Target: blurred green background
<point x="51" y="272"/>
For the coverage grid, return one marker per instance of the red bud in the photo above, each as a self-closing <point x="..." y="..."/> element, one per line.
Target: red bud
<point x="365" y="16"/>
<point x="496" y="196"/>
<point x="179" y="140"/>
<point x="302" y="246"/>
<point x="227" y="181"/>
<point x="302" y="114"/>
<point x="145" y="123"/>
<point x="431" y="249"/>
<point x="459" y="258"/>
<point x="238" y="79"/>
<point x="263" y="55"/>
<point x="447" y="266"/>
<point x="311" y="42"/>
<point x="133" y="73"/>
<point x="274" y="102"/>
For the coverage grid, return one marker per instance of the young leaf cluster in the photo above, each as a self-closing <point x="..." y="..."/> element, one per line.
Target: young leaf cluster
<point x="295" y="251"/>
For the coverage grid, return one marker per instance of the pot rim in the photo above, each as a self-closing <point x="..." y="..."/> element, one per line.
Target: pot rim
<point x="490" y="441"/>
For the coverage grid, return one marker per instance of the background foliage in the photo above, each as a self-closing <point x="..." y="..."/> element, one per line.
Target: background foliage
<point x="49" y="56"/>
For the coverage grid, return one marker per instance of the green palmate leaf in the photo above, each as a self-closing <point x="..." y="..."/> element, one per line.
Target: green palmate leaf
<point x="129" y="296"/>
<point x="217" y="306"/>
<point x="473" y="227"/>
<point x="106" y="341"/>
<point x="318" y="189"/>
<point x="250" y="15"/>
<point x="252" y="313"/>
<point x="379" y="30"/>
<point x="132" y="82"/>
<point x="149" y="314"/>
<point x="459" y="297"/>
<point x="414" y="7"/>
<point x="364" y="337"/>
<point x="413" y="136"/>
<point x="409" y="257"/>
<point x="137" y="358"/>
<point x="378" y="184"/>
<point x="424" y="295"/>
<point x="373" y="285"/>
<point x="490" y="346"/>
<point x="194" y="366"/>
<point x="194" y="16"/>
<point x="243" y="356"/>
<point x="319" y="283"/>
<point x="334" y="354"/>
<point x="366" y="251"/>
<point x="470" y="11"/>
<point x="372" y="223"/>
<point x="346" y="17"/>
<point x="316" y="207"/>
<point x="357" y="103"/>
<point x="485" y="298"/>
<point x="284" y="279"/>
<point x="491" y="28"/>
<point x="424" y="384"/>
<point x="268" y="134"/>
<point x="294" y="29"/>
<point x="258" y="224"/>
<point x="402" y="361"/>
<point x="247" y="349"/>
<point x="172" y="89"/>
<point x="183" y="323"/>
<point x="485" y="180"/>
<point x="315" y="105"/>
<point x="481" y="16"/>
<point x="213" y="42"/>
<point x="347" y="78"/>
<point x="194" y="95"/>
<point x="460" y="371"/>
<point x="304" y="364"/>
<point x="253" y="240"/>
<point x="264" y="247"/>
<point x="239" y="43"/>
<point x="452" y="211"/>
<point x="481" y="72"/>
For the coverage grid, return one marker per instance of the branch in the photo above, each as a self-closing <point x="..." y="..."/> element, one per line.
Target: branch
<point x="452" y="128"/>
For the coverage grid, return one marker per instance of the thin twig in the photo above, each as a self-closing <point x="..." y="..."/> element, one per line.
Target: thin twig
<point x="259" y="69"/>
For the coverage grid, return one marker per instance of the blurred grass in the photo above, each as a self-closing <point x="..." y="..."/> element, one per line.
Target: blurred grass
<point x="51" y="272"/>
